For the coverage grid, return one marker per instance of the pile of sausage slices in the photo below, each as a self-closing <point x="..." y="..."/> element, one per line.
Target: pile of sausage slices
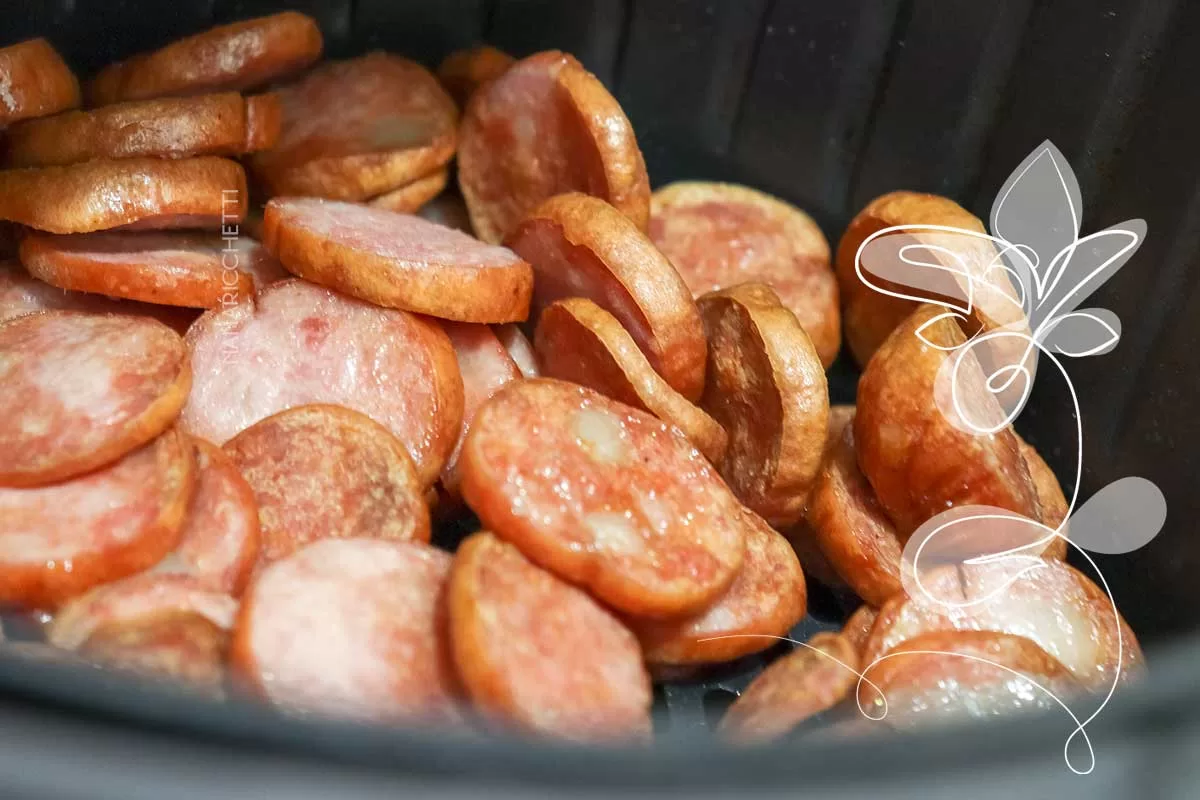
<point x="224" y="457"/>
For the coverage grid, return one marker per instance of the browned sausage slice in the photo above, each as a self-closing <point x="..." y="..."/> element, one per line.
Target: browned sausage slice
<point x="540" y="654"/>
<point x="719" y="235"/>
<point x="213" y="125"/>
<point x="807" y="681"/>
<point x="766" y="599"/>
<point x="326" y="472"/>
<point x="139" y="193"/>
<point x="412" y="197"/>
<point x="298" y="344"/>
<point x="767" y="388"/>
<point x="919" y="461"/>
<point x="233" y="57"/>
<point x="580" y="246"/>
<point x="858" y="628"/>
<point x="519" y="348"/>
<point x="464" y="71"/>
<point x="355" y="129"/>
<point x="59" y="541"/>
<point x="351" y="627"/>
<point x="397" y="260"/>
<point x="34" y="82"/>
<point x="578" y="341"/>
<point x="82" y="390"/>
<point x="546" y="127"/>
<point x="603" y="495"/>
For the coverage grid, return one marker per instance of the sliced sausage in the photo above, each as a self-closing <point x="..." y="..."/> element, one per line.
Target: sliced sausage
<point x="580" y="246"/>
<point x="1051" y="500"/>
<point x="519" y="348"/>
<point x="35" y="82"/>
<point x="326" y="472"/>
<point x="219" y="544"/>
<point x="397" y="260"/>
<point x="355" y="129"/>
<point x="858" y="627"/>
<point x="485" y="366"/>
<point x="920" y="461"/>
<point x="719" y="235"/>
<point x="264" y="122"/>
<point x="464" y="71"/>
<point x="351" y="627"/>
<point x="298" y="344"/>
<point x="233" y="57"/>
<point x="812" y="678"/>
<point x="1051" y="603"/>
<point x="545" y="127"/>
<point x="59" y="541"/>
<point x="950" y="675"/>
<point x="540" y="654"/>
<point x="213" y="125"/>
<point x="767" y="388"/>
<point x="766" y="599"/>
<point x="578" y="341"/>
<point x="82" y="390"/>
<point x="604" y="496"/>
<point x="412" y="197"/>
<point x="140" y="193"/>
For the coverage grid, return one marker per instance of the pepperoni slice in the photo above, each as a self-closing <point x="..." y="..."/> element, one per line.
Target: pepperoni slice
<point x="767" y="388"/>
<point x="851" y="529"/>
<point x="519" y="348"/>
<point x="352" y="627"/>
<point x="81" y="390"/>
<point x="464" y="71"/>
<point x="411" y="197"/>
<point x="35" y="83"/>
<point x="1051" y="500"/>
<point x="858" y="628"/>
<point x="545" y="127"/>
<point x="397" y="260"/>
<point x="59" y="541"/>
<point x="232" y="57"/>
<point x="812" y="678"/>
<point x="485" y="366"/>
<point x="578" y="341"/>
<point x="356" y="129"/>
<point x="220" y="539"/>
<point x="297" y="344"/>
<point x="580" y="246"/>
<point x="540" y="654"/>
<point x="216" y="125"/>
<point x="137" y="192"/>
<point x="326" y="472"/>
<point x="604" y="496"/>
<point x="947" y="676"/>
<point x="719" y="235"/>
<point x="1053" y="604"/>
<point x="920" y="462"/>
<point x="766" y="599"/>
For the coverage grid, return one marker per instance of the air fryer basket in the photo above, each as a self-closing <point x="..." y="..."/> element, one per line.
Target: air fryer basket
<point x="827" y="105"/>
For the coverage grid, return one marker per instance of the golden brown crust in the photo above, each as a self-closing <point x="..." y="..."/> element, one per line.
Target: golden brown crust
<point x="767" y="388"/>
<point x="580" y="245"/>
<point x="578" y="341"/>
<point x="234" y="57"/>
<point x="37" y="82"/>
<point x="264" y="122"/>
<point x="411" y="197"/>
<point x="464" y="71"/>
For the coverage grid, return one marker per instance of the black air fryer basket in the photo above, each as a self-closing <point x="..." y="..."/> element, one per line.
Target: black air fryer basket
<point x="825" y="104"/>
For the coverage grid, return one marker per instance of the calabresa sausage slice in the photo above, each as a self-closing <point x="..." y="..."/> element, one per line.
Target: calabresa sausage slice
<point x="298" y="344"/>
<point x="233" y="57"/>
<point x="603" y="495"/>
<point x="397" y="260"/>
<point x="580" y="246"/>
<point x="36" y="82"/>
<point x="464" y="71"/>
<point x="153" y="193"/>
<point x="767" y="388"/>
<point x="720" y="235"/>
<point x="352" y="627"/>
<point x="326" y="472"/>
<point x="766" y="599"/>
<point x="82" y="390"/>
<point x="540" y="654"/>
<point x="578" y="341"/>
<point x="59" y="541"/>
<point x="545" y="127"/>
<point x="412" y="197"/>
